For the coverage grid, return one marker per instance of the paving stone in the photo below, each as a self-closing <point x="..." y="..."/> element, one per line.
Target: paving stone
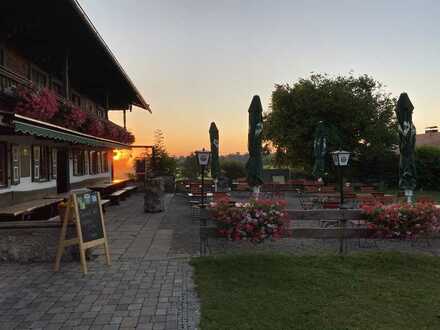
<point x="143" y="287"/>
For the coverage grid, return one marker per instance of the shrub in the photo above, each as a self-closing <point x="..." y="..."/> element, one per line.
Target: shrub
<point x="233" y="169"/>
<point x="402" y="220"/>
<point x="428" y="167"/>
<point x="255" y="221"/>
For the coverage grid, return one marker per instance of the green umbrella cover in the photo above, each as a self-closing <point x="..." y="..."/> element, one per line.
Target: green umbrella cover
<point x="319" y="150"/>
<point x="214" y="139"/>
<point x="254" y="165"/>
<point x="407" y="135"/>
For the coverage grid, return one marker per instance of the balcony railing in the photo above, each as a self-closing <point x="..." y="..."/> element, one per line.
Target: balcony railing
<point x="9" y="80"/>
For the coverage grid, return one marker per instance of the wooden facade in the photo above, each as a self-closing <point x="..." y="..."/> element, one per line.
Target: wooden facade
<point x="53" y="45"/>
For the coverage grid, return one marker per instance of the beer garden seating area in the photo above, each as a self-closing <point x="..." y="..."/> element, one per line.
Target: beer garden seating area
<point x="311" y="194"/>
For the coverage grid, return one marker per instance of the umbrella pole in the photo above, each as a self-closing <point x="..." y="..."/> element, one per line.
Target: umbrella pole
<point x="409" y="195"/>
<point x="256" y="191"/>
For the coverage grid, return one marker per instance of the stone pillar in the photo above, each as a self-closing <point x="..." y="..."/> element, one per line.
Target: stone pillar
<point x="154" y="195"/>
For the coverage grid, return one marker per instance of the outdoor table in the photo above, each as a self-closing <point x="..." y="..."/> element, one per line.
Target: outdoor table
<point x="25" y="208"/>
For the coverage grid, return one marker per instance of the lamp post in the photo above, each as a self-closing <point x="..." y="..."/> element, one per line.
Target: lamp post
<point x="340" y="159"/>
<point x="203" y="161"/>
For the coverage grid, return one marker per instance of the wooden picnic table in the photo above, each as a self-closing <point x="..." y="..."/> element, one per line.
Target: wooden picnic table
<point x="25" y="208"/>
<point x="108" y="187"/>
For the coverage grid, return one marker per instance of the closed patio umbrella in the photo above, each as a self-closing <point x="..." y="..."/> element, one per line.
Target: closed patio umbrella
<point x="215" y="163"/>
<point x="407" y="135"/>
<point x="319" y="151"/>
<point x="254" y="165"/>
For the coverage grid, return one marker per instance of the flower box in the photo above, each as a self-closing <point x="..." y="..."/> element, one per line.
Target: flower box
<point x="255" y="221"/>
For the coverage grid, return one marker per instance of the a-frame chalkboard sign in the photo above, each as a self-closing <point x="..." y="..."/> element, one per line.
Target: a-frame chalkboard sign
<point x="85" y="210"/>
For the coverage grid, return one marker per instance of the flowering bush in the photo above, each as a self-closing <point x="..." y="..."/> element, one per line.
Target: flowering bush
<point x="255" y="221"/>
<point x="402" y="220"/>
<point x="70" y="116"/>
<point x="43" y="105"/>
<point x="117" y="133"/>
<point x="40" y="105"/>
<point x="94" y="126"/>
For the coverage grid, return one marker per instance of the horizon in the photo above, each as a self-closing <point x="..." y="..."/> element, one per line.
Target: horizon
<point x="172" y="49"/>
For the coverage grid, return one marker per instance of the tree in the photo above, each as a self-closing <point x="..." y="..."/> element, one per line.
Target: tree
<point x="428" y="167"/>
<point x="163" y="164"/>
<point x="233" y="169"/>
<point x="358" y="114"/>
<point x="189" y="168"/>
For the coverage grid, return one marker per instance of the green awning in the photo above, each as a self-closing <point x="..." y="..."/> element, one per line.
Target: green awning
<point x="65" y="136"/>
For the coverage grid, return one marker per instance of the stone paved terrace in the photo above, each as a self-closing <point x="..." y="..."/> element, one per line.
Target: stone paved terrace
<point x="148" y="286"/>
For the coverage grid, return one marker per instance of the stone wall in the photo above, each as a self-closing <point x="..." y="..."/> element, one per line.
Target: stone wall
<point x="25" y="245"/>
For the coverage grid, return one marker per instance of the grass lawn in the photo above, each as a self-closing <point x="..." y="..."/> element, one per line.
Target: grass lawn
<point x="362" y="291"/>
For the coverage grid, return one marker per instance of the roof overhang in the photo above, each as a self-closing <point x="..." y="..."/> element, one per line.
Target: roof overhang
<point x="29" y="126"/>
<point x="48" y="30"/>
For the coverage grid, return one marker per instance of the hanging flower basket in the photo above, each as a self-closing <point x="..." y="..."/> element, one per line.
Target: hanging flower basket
<point x="94" y="126"/>
<point x="70" y="116"/>
<point x="41" y="105"/>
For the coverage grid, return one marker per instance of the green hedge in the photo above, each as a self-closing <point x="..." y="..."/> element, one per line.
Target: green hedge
<point x="428" y="167"/>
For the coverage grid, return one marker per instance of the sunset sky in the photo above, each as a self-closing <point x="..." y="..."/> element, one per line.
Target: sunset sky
<point x="197" y="61"/>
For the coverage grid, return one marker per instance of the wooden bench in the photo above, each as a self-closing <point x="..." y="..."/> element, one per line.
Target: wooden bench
<point x="117" y="196"/>
<point x="130" y="189"/>
<point x="25" y="209"/>
<point x="104" y="204"/>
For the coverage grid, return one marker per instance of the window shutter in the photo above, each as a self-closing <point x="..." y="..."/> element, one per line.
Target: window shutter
<point x="98" y="159"/>
<point x="3" y="166"/>
<point x="75" y="162"/>
<point x="87" y="162"/>
<point x="36" y="153"/>
<point x="54" y="163"/>
<point x="15" y="164"/>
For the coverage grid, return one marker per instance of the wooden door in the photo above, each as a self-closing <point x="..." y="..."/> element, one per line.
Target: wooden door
<point x="63" y="172"/>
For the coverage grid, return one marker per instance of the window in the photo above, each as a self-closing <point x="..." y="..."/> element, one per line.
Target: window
<point x="25" y="162"/>
<point x="54" y="163"/>
<point x="57" y="87"/>
<point x="41" y="163"/>
<point x="39" y="78"/>
<point x="76" y="99"/>
<point x="15" y="164"/>
<point x="3" y="165"/>
<point x="79" y="162"/>
<point x="93" y="162"/>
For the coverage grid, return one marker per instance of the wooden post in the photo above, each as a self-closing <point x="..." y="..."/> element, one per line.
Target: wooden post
<point x="107" y="105"/>
<point x="66" y="76"/>
<point x="125" y="118"/>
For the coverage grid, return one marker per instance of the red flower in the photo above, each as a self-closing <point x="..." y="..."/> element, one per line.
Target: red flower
<point x="41" y="105"/>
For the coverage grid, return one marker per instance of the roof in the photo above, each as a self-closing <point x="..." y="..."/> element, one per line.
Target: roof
<point x="47" y="30"/>
<point x="428" y="139"/>
<point x="26" y="125"/>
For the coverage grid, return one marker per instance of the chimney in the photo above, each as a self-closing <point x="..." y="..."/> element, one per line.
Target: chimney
<point x="431" y="129"/>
